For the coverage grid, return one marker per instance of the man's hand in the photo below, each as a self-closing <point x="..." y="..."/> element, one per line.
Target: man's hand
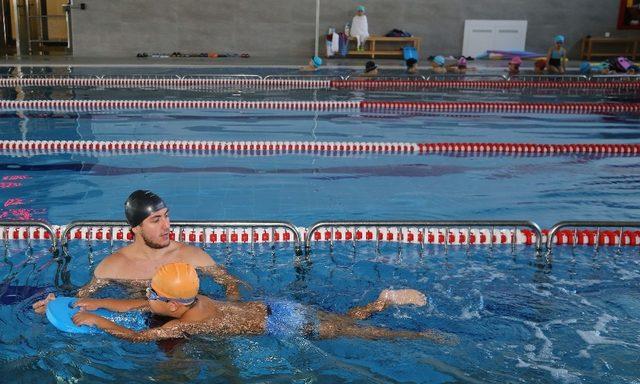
<point x="40" y="306"/>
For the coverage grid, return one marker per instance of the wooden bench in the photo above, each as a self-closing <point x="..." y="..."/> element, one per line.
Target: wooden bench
<point x="383" y="46"/>
<point x="630" y="45"/>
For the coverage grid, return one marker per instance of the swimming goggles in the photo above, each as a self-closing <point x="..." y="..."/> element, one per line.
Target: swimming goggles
<point x="153" y="295"/>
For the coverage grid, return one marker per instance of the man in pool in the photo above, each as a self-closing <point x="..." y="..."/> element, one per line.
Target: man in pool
<point x="173" y="292"/>
<point x="135" y="264"/>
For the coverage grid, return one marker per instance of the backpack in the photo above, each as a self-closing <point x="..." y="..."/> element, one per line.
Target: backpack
<point x="397" y="33"/>
<point x="619" y="64"/>
<point x="624" y="63"/>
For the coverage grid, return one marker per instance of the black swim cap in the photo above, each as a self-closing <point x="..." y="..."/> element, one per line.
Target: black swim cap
<point x="140" y="205"/>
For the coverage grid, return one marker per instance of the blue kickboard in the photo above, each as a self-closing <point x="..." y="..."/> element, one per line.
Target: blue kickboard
<point x="60" y="312"/>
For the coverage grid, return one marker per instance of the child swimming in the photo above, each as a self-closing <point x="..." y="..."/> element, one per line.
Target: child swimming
<point x="539" y="66"/>
<point x="313" y="65"/>
<point x="556" y="56"/>
<point x="173" y="292"/>
<point x="437" y="65"/>
<point x="412" y="65"/>
<point x="514" y="66"/>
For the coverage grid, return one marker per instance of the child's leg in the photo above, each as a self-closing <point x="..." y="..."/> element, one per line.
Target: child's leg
<point x="332" y="326"/>
<point x="386" y="298"/>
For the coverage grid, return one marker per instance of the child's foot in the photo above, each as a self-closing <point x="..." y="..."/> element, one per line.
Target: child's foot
<point x="402" y="297"/>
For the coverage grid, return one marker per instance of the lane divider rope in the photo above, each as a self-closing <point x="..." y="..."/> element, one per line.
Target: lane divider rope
<point x="377" y="84"/>
<point x="178" y="83"/>
<point x="381" y="84"/>
<point x="362" y="106"/>
<point x="407" y="235"/>
<point x="269" y="148"/>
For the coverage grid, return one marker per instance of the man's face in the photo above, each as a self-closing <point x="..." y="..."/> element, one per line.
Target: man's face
<point x="155" y="229"/>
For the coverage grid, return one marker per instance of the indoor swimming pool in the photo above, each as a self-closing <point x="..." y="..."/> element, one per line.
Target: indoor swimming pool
<point x="520" y="315"/>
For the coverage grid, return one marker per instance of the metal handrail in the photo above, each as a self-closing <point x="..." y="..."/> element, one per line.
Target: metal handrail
<point x="45" y="226"/>
<point x="526" y="77"/>
<point x="180" y="224"/>
<point x="304" y="77"/>
<point x="386" y="77"/>
<point x="464" y="76"/>
<point x="588" y="223"/>
<point x="615" y="78"/>
<point x="430" y="223"/>
<point x="221" y="76"/>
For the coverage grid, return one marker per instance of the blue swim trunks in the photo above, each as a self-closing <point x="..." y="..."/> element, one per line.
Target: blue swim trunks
<point x="287" y="319"/>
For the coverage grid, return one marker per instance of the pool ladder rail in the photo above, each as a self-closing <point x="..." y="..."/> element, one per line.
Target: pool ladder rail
<point x="421" y="233"/>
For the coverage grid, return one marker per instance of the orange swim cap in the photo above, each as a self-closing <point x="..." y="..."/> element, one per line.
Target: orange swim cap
<point x="176" y="281"/>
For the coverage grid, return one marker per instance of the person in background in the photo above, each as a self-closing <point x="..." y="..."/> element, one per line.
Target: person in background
<point x="359" y="28"/>
<point x="557" y="56"/>
<point x="437" y="65"/>
<point x="514" y="66"/>
<point x="539" y="66"/>
<point x="460" y="67"/>
<point x="313" y="65"/>
<point x="370" y="69"/>
<point x="412" y="66"/>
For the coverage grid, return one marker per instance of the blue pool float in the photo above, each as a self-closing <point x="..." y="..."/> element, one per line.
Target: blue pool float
<point x="61" y="310"/>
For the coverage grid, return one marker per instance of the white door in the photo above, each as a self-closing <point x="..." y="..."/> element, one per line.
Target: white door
<point x="503" y="35"/>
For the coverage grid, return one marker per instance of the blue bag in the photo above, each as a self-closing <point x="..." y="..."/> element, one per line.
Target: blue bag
<point x="410" y="53"/>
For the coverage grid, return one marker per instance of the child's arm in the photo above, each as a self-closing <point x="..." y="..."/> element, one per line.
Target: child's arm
<point x="171" y="330"/>
<point x="563" y="59"/>
<point x="549" y="55"/>
<point x="117" y="305"/>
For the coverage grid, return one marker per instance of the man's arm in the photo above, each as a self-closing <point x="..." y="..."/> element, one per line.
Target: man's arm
<point x="203" y="261"/>
<point x="222" y="277"/>
<point x="93" y="286"/>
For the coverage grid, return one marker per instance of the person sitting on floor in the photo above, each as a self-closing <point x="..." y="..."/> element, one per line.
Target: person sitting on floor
<point x="557" y="56"/>
<point x="173" y="292"/>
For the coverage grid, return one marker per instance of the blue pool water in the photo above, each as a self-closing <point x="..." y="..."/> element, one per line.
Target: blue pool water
<point x="518" y="317"/>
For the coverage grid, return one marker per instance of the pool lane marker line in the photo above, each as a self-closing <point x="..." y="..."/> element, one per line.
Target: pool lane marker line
<point x="381" y="84"/>
<point x="397" y="234"/>
<point x="362" y="106"/>
<point x="175" y="82"/>
<point x="270" y="148"/>
<point x="276" y="83"/>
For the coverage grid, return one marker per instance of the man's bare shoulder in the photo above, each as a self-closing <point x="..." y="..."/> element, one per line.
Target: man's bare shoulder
<point x="194" y="255"/>
<point x="112" y="264"/>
